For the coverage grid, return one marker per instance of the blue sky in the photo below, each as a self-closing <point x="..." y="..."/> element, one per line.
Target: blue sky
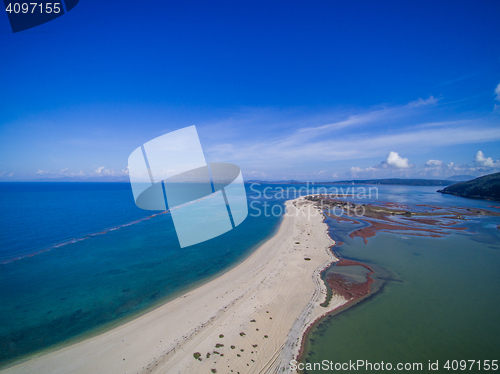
<point x="286" y="90"/>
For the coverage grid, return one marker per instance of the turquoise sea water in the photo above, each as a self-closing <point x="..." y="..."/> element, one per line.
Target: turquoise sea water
<point x="76" y="258"/>
<point x="113" y="263"/>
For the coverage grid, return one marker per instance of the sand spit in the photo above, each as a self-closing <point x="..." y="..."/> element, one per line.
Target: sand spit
<point x="249" y="320"/>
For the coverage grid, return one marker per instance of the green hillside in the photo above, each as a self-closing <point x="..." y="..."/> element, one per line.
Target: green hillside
<point x="485" y="187"/>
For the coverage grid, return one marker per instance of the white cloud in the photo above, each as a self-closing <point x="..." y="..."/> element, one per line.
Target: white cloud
<point x="2" y="174"/>
<point x="485" y="162"/>
<point x="481" y="165"/>
<point x="337" y="141"/>
<point x="431" y="100"/>
<point x="351" y="121"/>
<point x="100" y="170"/>
<point x="354" y="137"/>
<point x="496" y="107"/>
<point x="434" y="163"/>
<point x="66" y="172"/>
<point x="393" y="165"/>
<point x="396" y="161"/>
<point x="435" y="169"/>
<point x="11" y="174"/>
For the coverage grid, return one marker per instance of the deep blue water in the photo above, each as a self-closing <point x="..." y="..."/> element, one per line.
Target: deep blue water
<point x="36" y="216"/>
<point x="116" y="260"/>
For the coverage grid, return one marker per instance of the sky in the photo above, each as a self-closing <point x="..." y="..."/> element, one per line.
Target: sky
<point x="311" y="91"/>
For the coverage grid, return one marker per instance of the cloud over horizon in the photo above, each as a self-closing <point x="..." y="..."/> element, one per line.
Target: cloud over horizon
<point x="335" y="143"/>
<point x="480" y="165"/>
<point x="357" y="136"/>
<point x="485" y="162"/>
<point x="434" y="163"/>
<point x="396" y="161"/>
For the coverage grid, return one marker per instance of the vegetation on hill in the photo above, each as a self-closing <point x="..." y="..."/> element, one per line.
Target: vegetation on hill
<point x="485" y="187"/>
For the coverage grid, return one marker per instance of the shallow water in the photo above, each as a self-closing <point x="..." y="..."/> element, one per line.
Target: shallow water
<point x="445" y="306"/>
<point x="114" y="264"/>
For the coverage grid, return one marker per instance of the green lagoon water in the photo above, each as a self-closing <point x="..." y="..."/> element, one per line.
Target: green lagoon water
<point x="440" y="301"/>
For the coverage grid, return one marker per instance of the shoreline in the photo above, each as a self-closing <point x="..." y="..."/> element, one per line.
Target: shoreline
<point x="109" y="326"/>
<point x="296" y="339"/>
<point x="252" y="318"/>
<point x="421" y="223"/>
<point x="339" y="308"/>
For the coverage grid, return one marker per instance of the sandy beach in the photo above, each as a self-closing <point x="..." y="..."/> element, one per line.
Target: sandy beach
<point x="251" y="319"/>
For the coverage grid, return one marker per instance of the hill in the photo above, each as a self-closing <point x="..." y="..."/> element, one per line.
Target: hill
<point x="394" y="181"/>
<point x="398" y="181"/>
<point x="460" y="178"/>
<point x="486" y="187"/>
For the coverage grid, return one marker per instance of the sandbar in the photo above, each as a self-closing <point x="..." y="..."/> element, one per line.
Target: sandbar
<point x="251" y="319"/>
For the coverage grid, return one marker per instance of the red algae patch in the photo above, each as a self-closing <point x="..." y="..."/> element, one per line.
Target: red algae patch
<point x="425" y="221"/>
<point x="365" y="233"/>
<point x="371" y="231"/>
<point x="349" y="290"/>
<point x="433" y="221"/>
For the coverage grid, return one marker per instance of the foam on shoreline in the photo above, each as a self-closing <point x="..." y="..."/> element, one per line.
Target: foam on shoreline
<point x="251" y="319"/>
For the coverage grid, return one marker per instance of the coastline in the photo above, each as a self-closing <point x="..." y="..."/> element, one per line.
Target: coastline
<point x="123" y="320"/>
<point x="251" y="318"/>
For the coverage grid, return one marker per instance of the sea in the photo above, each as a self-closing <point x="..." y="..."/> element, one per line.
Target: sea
<point x="77" y="259"/>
